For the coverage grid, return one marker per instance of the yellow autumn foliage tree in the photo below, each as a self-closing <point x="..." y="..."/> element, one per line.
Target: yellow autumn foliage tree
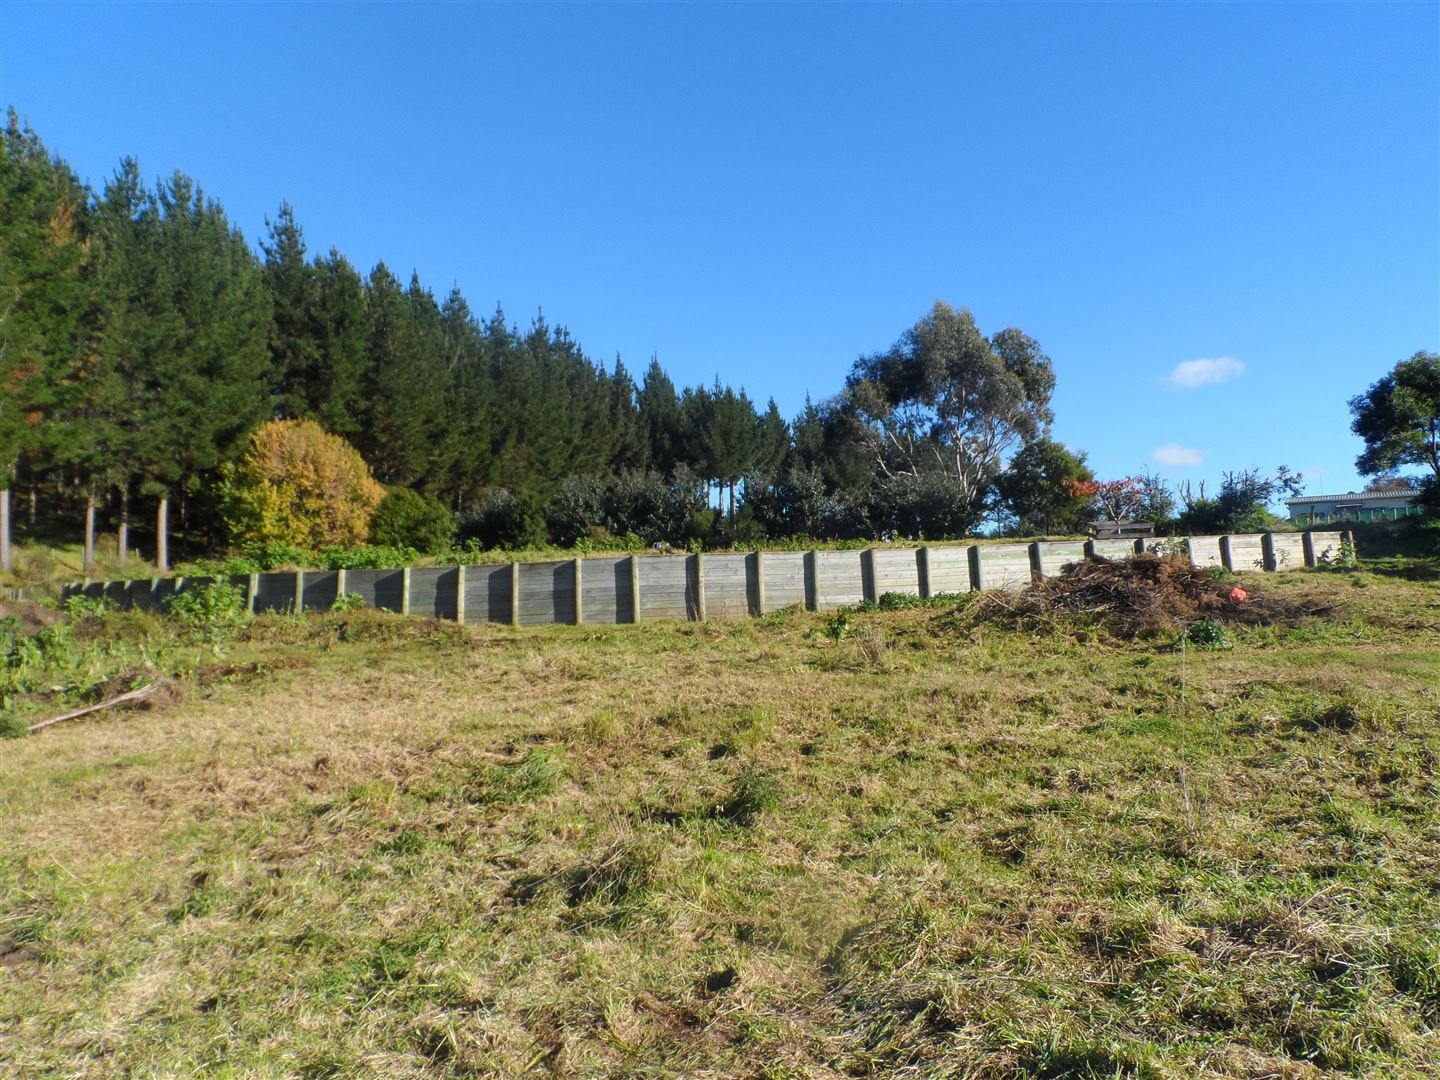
<point x="299" y="485"/>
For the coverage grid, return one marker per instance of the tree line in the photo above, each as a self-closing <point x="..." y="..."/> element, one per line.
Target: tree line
<point x="143" y="342"/>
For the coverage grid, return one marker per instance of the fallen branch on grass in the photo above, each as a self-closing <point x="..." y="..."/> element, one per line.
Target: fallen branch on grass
<point x="127" y="698"/>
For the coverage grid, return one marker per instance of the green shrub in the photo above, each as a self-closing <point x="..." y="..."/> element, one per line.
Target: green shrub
<point x="370" y="557"/>
<point x="86" y="607"/>
<point x="1208" y="635"/>
<point x="751" y="794"/>
<point x="406" y="518"/>
<point x="213" y="606"/>
<point x="348" y="602"/>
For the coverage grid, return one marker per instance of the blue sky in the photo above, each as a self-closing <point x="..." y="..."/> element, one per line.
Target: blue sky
<point x="1221" y="221"/>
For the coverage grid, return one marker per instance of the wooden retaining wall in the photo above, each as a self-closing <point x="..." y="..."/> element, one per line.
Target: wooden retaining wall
<point x="631" y="588"/>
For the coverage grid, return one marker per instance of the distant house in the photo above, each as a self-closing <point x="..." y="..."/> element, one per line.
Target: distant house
<point x="1387" y="503"/>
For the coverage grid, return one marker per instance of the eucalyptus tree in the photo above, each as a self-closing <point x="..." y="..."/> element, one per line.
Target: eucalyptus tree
<point x="947" y="400"/>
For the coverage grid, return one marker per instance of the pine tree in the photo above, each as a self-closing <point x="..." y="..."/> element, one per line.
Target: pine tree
<point x="660" y="416"/>
<point x="204" y="386"/>
<point x="41" y="296"/>
<point x="295" y="353"/>
<point x="336" y="392"/>
<point x="406" y="383"/>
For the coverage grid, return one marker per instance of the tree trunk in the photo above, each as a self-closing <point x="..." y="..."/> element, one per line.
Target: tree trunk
<point x="162" y="546"/>
<point x="31" y="509"/>
<point x="7" y="563"/>
<point x="88" y="560"/>
<point x="122" y="531"/>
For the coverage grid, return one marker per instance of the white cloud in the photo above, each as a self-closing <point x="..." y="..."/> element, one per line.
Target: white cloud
<point x="1176" y="456"/>
<point x="1192" y="373"/>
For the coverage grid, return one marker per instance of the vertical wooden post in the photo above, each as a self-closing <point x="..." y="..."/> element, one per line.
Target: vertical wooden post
<point x="700" y="586"/>
<point x="1268" y="561"/>
<point x="460" y="594"/>
<point x="405" y="591"/>
<point x="87" y="557"/>
<point x="162" y="540"/>
<point x="1225" y="559"/>
<point x="341" y="580"/>
<point x="250" y="591"/>
<point x="299" y="591"/>
<point x="634" y="588"/>
<point x="922" y="558"/>
<point x="514" y="594"/>
<point x="1307" y="541"/>
<point x="122" y="530"/>
<point x="579" y="587"/>
<point x="1037" y="562"/>
<point x="812" y="580"/>
<point x="759" y="583"/>
<point x="977" y="579"/>
<point x="7" y="561"/>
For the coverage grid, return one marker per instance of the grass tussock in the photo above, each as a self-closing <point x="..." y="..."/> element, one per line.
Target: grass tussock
<point x="906" y="843"/>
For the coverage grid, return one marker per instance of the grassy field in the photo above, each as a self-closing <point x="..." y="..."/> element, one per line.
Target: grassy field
<point x="903" y="843"/>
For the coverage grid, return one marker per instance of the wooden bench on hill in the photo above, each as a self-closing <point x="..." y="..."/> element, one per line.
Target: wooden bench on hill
<point x="1120" y="530"/>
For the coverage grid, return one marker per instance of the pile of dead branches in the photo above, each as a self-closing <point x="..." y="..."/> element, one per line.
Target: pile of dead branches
<point x="1130" y="597"/>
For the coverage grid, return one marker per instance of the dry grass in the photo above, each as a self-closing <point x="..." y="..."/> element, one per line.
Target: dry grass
<point x="743" y="849"/>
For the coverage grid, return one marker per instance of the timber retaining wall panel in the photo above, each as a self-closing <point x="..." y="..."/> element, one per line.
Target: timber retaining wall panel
<point x="840" y="579"/>
<point x="321" y="589"/>
<point x="1052" y="556"/>
<point x="727" y="586"/>
<point x="950" y="570"/>
<point x="276" y="592"/>
<point x="667" y="588"/>
<point x="547" y="593"/>
<point x="895" y="570"/>
<point x="433" y="590"/>
<point x="487" y="593"/>
<point x="1001" y="566"/>
<point x="1111" y="549"/>
<point x="605" y="590"/>
<point x="784" y="579"/>
<point x="379" y="589"/>
<point x="1243" y="552"/>
<point x="1326" y="547"/>
<point x="1287" y="551"/>
<point x="1204" y="551"/>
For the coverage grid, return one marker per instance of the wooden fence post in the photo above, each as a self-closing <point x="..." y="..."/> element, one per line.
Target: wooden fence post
<point x="1307" y="541"/>
<point x="514" y="594"/>
<point x="341" y="580"/>
<point x="700" y="586"/>
<point x="812" y="580"/>
<point x="1268" y="561"/>
<point x="460" y="594"/>
<point x="579" y="601"/>
<point x="253" y="588"/>
<point x="299" y="591"/>
<point x="759" y="583"/>
<point x="634" y="588"/>
<point x="972" y="555"/>
<point x="923" y="567"/>
<point x="405" y="591"/>
<point x="1225" y="558"/>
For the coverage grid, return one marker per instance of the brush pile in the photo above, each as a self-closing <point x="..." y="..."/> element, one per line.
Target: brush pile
<point x="1145" y="593"/>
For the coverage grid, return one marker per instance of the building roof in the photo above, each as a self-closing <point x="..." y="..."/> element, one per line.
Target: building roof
<point x="1407" y="494"/>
